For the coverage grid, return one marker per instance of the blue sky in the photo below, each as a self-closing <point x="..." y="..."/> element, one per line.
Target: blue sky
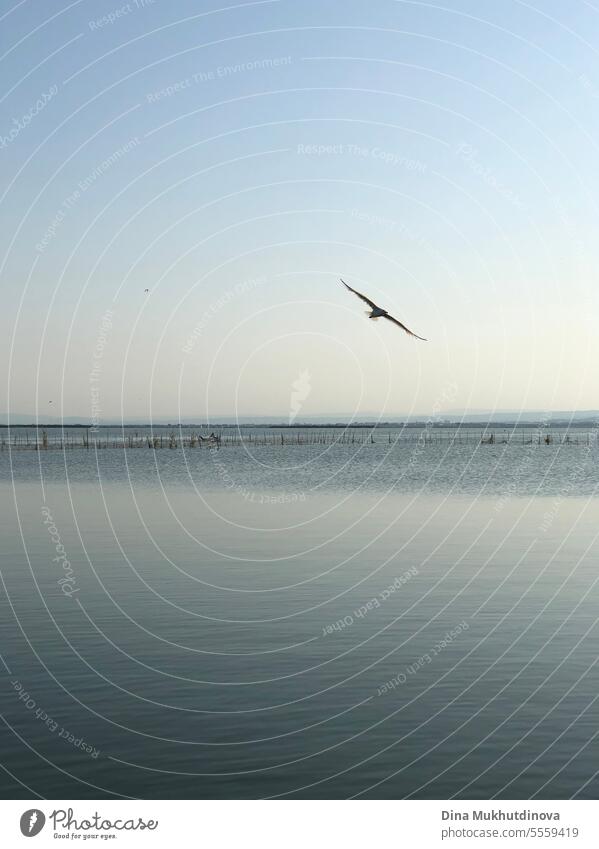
<point x="236" y="161"/>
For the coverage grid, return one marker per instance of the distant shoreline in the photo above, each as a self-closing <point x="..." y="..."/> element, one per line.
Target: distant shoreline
<point x="420" y="423"/>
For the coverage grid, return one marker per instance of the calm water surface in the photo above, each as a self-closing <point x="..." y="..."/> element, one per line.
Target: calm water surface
<point x="300" y="621"/>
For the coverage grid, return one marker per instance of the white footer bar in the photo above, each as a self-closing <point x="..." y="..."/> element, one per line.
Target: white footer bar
<point x="300" y="824"/>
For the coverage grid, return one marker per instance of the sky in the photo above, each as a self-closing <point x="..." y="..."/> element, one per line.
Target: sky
<point x="236" y="160"/>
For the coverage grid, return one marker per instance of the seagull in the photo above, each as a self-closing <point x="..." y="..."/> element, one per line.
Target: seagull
<point x="377" y="312"/>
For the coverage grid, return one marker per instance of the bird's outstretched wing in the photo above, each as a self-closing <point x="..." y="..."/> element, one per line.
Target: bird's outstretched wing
<point x="360" y="295"/>
<point x="403" y="327"/>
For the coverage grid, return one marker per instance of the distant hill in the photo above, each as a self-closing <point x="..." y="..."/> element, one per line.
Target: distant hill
<point x="496" y="417"/>
<point x="528" y="416"/>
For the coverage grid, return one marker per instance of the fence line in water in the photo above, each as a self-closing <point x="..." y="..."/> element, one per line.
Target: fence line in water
<point x="172" y="440"/>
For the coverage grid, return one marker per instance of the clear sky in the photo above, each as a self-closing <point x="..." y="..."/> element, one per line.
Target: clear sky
<point x="236" y="160"/>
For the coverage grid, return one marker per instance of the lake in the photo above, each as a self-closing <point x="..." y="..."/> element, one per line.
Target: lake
<point x="383" y="618"/>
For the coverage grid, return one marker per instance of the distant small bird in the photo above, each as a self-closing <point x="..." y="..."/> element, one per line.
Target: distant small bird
<point x="377" y="312"/>
<point x="146" y="290"/>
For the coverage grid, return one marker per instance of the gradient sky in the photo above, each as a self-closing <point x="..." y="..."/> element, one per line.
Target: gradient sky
<point x="236" y="161"/>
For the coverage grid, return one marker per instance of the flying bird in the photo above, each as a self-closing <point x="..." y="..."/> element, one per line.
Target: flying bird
<point x="377" y="312"/>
